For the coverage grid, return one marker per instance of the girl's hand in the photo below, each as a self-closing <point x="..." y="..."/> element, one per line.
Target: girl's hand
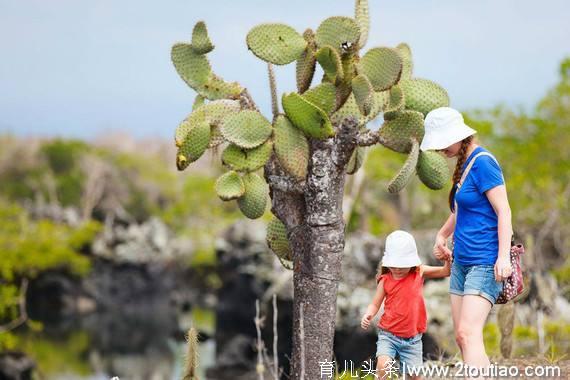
<point x="440" y="250"/>
<point x="503" y="268"/>
<point x="365" y="322"/>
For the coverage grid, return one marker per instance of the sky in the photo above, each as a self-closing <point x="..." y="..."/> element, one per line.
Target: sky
<point x="81" y="69"/>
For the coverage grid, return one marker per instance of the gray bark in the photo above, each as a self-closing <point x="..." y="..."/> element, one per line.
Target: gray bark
<point x="312" y="213"/>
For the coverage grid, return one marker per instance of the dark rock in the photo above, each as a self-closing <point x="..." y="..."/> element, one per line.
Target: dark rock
<point x="16" y="366"/>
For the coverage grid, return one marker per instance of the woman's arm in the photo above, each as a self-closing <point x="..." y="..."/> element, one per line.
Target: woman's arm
<point x="440" y="249"/>
<point x="374" y="305"/>
<point x="448" y="227"/>
<point x="498" y="198"/>
<point x="428" y="271"/>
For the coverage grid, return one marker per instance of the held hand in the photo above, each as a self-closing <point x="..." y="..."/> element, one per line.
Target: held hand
<point x="365" y="322"/>
<point x="503" y="268"/>
<point x="440" y="250"/>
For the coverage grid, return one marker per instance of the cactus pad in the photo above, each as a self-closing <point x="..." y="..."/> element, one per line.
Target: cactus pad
<point x="291" y="148"/>
<point x="276" y="43"/>
<point x="277" y="239"/>
<point x="396" y="133"/>
<point x="253" y="202"/>
<point x="363" y="93"/>
<point x="395" y="99"/>
<point x="217" y="88"/>
<point x="356" y="160"/>
<point x="378" y="104"/>
<point x="199" y="101"/>
<point x="423" y="95"/>
<point x="306" y="116"/>
<point x="213" y="113"/>
<point x="195" y="70"/>
<point x="216" y="137"/>
<point x="247" y="129"/>
<point x="432" y="170"/>
<point x="201" y="43"/>
<point x="349" y="108"/>
<point x="408" y="65"/>
<point x="229" y="186"/>
<point x="249" y="160"/>
<point x="323" y="96"/>
<point x="362" y="16"/>
<point x="195" y="118"/>
<point x="194" y="145"/>
<point x="305" y="67"/>
<point x="387" y="101"/>
<point x="382" y="66"/>
<point x="341" y="33"/>
<point x="407" y="172"/>
<point x="330" y="61"/>
<point x="192" y="67"/>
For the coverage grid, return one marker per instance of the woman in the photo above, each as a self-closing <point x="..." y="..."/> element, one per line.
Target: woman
<point x="480" y="222"/>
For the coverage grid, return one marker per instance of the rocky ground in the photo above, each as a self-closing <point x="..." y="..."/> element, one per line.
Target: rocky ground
<point x="135" y="272"/>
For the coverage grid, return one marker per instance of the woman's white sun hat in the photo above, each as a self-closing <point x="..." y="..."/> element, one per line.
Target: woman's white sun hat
<point x="400" y="250"/>
<point x="444" y="126"/>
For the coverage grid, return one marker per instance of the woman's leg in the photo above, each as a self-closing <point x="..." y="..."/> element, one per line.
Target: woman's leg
<point x="456" y="302"/>
<point x="474" y="312"/>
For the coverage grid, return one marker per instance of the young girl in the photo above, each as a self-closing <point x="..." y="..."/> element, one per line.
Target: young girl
<point x="400" y="282"/>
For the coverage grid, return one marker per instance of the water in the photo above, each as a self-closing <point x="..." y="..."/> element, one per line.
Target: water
<point x="138" y="348"/>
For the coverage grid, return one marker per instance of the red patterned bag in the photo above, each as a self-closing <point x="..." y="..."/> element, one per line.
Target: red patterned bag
<point x="513" y="285"/>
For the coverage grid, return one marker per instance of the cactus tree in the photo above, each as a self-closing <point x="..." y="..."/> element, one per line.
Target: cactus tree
<point x="298" y="161"/>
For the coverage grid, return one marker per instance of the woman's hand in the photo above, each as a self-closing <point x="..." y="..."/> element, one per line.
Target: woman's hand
<point x="365" y="322"/>
<point x="503" y="268"/>
<point x="440" y="249"/>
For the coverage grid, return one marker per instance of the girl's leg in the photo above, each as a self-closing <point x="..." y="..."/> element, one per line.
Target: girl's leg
<point x="382" y="365"/>
<point x="456" y="302"/>
<point x="474" y="312"/>
<point x="411" y="358"/>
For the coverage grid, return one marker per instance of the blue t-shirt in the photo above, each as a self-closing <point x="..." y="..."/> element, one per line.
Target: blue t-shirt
<point x="476" y="238"/>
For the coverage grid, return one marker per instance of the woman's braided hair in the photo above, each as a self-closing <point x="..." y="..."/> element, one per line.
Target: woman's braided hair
<point x="461" y="157"/>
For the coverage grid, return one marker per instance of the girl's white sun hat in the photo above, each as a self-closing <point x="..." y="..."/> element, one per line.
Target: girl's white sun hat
<point x="444" y="126"/>
<point x="400" y="250"/>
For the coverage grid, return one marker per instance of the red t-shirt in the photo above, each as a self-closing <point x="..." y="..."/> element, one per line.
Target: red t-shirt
<point x="404" y="308"/>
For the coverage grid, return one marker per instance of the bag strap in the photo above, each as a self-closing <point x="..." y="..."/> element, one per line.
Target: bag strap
<point x="464" y="175"/>
<point x="466" y="171"/>
<point x="468" y="168"/>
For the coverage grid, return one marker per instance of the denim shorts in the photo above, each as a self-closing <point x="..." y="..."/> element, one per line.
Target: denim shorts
<point x="475" y="280"/>
<point x="409" y="350"/>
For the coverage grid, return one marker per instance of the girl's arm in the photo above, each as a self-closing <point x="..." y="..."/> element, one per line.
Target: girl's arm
<point x="498" y="198"/>
<point x="374" y="305"/>
<point x="428" y="271"/>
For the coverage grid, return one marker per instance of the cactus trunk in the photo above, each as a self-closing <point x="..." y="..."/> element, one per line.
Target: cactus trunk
<point x="316" y="232"/>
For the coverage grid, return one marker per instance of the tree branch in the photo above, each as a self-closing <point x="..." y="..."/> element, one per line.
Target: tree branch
<point x="345" y="141"/>
<point x="23" y="317"/>
<point x="273" y="88"/>
<point x="275" y="337"/>
<point x="286" y="184"/>
<point x="246" y="101"/>
<point x="288" y="206"/>
<point x="368" y="137"/>
<point x="258" y="320"/>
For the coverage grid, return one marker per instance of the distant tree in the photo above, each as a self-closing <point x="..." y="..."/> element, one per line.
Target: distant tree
<point x="533" y="150"/>
<point x="29" y="248"/>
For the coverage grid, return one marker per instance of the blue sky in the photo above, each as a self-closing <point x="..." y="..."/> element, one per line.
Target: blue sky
<point x="77" y="68"/>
